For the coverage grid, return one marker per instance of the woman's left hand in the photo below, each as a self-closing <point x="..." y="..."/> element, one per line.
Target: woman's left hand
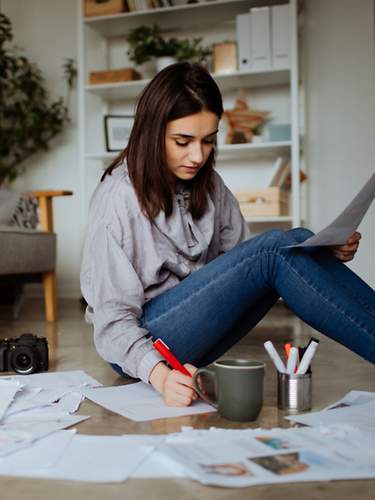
<point x="346" y="252"/>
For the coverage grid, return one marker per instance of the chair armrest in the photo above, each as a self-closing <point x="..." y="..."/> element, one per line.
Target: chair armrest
<point x="45" y="205"/>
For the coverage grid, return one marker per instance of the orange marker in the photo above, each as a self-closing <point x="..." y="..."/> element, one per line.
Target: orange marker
<point x="287" y="348"/>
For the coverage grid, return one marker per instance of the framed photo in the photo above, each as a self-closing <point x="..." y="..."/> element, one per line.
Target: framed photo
<point x="117" y="131"/>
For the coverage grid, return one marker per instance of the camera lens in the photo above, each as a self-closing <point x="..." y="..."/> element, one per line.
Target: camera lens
<point x="23" y="361"/>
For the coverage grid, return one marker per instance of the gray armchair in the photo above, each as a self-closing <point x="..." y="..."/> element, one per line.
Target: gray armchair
<point x="29" y="255"/>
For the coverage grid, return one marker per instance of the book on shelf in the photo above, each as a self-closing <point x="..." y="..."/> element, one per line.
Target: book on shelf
<point x="138" y="5"/>
<point x="281" y="175"/>
<point x="280" y="170"/>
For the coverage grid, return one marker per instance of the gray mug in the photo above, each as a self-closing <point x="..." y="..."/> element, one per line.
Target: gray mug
<point x="238" y="387"/>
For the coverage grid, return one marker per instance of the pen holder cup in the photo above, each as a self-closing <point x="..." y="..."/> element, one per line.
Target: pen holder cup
<point x="294" y="392"/>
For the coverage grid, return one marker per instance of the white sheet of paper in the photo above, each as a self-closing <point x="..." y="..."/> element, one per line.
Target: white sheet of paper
<point x="12" y="440"/>
<point x="156" y="464"/>
<point x="39" y="454"/>
<point x="8" y="390"/>
<point x="240" y="458"/>
<point x="75" y="378"/>
<point x="347" y="222"/>
<point x="140" y="402"/>
<point x="353" y="398"/>
<point x="18" y="430"/>
<point x="69" y="402"/>
<point x="29" y="398"/>
<point x="23" y="399"/>
<point x="159" y="466"/>
<point x="93" y="459"/>
<point x="361" y="416"/>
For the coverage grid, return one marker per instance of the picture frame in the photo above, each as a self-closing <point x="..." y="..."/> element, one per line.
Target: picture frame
<point x="117" y="131"/>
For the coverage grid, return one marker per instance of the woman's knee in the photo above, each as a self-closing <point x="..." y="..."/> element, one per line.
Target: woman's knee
<point x="275" y="238"/>
<point x="299" y="234"/>
<point x="279" y="238"/>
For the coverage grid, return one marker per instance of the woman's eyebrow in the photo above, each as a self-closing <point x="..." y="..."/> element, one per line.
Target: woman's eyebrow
<point x="188" y="136"/>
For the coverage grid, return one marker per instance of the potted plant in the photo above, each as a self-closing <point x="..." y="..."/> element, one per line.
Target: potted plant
<point x="166" y="52"/>
<point x="28" y="121"/>
<point x="146" y="43"/>
<point x="142" y="43"/>
<point x="192" y="50"/>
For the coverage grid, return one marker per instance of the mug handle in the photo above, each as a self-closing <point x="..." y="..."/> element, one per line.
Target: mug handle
<point x="204" y="396"/>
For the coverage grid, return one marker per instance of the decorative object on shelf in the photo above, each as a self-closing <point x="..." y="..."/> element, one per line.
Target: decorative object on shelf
<point x="117" y="131"/>
<point x="146" y="43"/>
<point x="104" y="7"/>
<point x="224" y="57"/>
<point x="244" y="124"/>
<point x="278" y="132"/>
<point x="263" y="202"/>
<point x="28" y="120"/>
<point x="113" y="76"/>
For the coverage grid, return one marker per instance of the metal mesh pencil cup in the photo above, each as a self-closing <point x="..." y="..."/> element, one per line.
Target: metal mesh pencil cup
<point x="294" y="392"/>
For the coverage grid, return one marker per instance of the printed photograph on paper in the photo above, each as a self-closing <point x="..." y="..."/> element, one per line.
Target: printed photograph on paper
<point x="227" y="469"/>
<point x="273" y="442"/>
<point x="290" y="463"/>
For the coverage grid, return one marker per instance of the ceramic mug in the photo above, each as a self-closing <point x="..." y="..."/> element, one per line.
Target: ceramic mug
<point x="238" y="387"/>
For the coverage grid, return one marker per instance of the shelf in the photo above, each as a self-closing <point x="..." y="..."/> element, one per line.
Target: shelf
<point x="244" y="151"/>
<point x="270" y="219"/>
<point x="227" y="151"/>
<point x="191" y="15"/>
<point x="226" y="81"/>
<point x="238" y="79"/>
<point x="105" y="156"/>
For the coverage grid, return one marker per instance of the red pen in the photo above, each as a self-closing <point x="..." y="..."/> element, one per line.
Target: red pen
<point x="167" y="354"/>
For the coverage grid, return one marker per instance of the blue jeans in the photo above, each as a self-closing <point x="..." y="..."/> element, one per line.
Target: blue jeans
<point x="213" y="308"/>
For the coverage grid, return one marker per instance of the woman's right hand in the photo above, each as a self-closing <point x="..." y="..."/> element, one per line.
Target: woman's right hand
<point x="176" y="387"/>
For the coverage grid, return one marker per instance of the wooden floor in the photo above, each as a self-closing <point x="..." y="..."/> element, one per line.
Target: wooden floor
<point x="335" y="372"/>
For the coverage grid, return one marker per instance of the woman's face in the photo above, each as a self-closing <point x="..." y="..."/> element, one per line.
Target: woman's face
<point x="189" y="142"/>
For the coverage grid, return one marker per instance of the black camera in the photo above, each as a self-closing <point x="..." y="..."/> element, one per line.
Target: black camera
<point x="25" y="354"/>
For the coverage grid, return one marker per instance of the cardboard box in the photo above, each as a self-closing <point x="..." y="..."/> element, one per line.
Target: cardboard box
<point x="104" y="8"/>
<point x="269" y="201"/>
<point x="225" y="57"/>
<point x="114" y="76"/>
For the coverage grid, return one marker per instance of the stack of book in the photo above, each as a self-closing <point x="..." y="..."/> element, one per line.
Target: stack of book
<point x="109" y="7"/>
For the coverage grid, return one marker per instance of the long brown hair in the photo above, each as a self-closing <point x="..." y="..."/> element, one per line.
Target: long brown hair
<point x="177" y="91"/>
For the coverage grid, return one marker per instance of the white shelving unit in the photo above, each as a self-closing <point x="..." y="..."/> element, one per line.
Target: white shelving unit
<point x="99" y="42"/>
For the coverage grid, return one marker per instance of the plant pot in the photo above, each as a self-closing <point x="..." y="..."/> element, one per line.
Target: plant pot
<point x="163" y="62"/>
<point x="147" y="69"/>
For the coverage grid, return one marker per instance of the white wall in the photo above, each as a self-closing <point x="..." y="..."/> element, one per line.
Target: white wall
<point x="47" y="30"/>
<point x="340" y="70"/>
<point x="339" y="53"/>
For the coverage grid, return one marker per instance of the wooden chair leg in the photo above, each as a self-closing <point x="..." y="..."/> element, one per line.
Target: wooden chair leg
<point x="50" y="299"/>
